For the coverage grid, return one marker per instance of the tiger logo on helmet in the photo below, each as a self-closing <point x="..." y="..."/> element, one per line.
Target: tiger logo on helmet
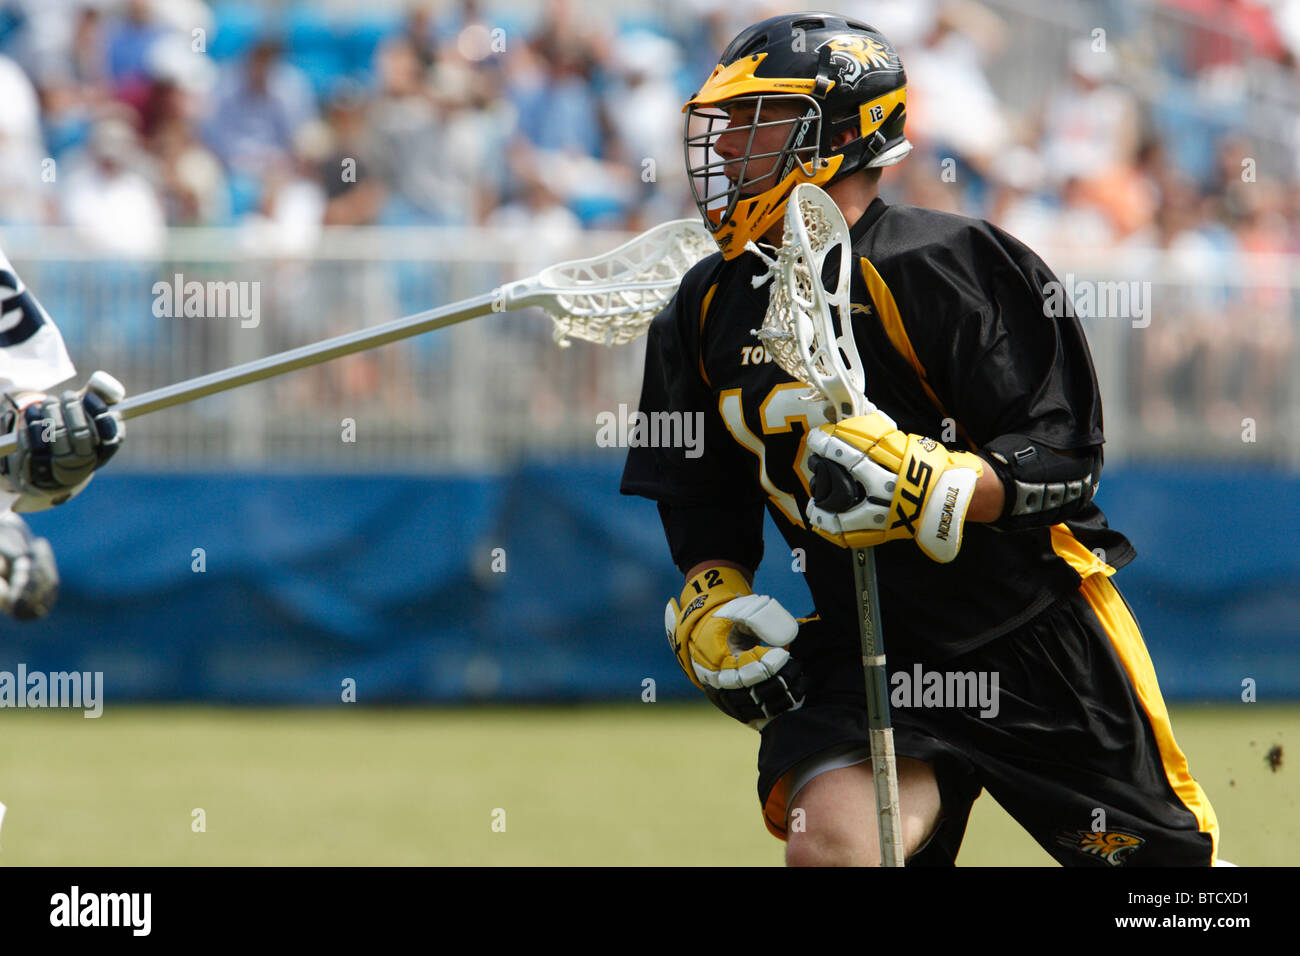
<point x="858" y="57"/>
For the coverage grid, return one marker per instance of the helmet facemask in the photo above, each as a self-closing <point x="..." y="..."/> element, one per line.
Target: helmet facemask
<point x="844" y="76"/>
<point x="744" y="205"/>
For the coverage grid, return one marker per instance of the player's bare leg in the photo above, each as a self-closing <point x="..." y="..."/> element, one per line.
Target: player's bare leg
<point x="833" y="816"/>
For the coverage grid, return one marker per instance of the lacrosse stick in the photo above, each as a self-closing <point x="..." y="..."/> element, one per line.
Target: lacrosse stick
<point x="809" y="333"/>
<point x="608" y="299"/>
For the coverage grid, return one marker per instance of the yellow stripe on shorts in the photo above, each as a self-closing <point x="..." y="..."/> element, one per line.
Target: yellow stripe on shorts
<point x="1126" y="638"/>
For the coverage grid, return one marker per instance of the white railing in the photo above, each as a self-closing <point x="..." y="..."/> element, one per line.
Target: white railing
<point x="1197" y="360"/>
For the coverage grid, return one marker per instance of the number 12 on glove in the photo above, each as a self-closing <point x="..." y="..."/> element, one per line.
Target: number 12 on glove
<point x="732" y="644"/>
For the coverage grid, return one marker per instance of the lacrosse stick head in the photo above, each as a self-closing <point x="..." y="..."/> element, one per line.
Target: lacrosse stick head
<point x="610" y="299"/>
<point x="808" y="327"/>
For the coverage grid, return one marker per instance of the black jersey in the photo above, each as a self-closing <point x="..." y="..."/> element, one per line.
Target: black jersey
<point x="956" y="344"/>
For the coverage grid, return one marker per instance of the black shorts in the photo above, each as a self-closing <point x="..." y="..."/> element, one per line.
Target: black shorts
<point x="1080" y="750"/>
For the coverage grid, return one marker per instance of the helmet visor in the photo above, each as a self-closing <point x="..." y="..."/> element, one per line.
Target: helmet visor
<point x="745" y="147"/>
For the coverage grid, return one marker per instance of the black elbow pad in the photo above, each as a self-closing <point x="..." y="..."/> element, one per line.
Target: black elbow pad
<point x="1043" y="486"/>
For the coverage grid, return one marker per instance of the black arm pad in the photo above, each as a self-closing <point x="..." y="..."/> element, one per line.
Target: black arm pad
<point x="699" y="533"/>
<point x="1043" y="486"/>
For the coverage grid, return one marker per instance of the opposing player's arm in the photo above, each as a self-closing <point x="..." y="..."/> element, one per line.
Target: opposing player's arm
<point x="29" y="578"/>
<point x="62" y="440"/>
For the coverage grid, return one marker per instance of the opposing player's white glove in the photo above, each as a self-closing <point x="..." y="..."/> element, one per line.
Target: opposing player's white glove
<point x="731" y="644"/>
<point x="29" y="579"/>
<point x="61" y="441"/>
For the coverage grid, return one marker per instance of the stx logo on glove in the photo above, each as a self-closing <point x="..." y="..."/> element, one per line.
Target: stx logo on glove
<point x="914" y="489"/>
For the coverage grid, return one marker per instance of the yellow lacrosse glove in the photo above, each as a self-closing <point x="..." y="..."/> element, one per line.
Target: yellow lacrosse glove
<point x="731" y="644"/>
<point x="914" y="487"/>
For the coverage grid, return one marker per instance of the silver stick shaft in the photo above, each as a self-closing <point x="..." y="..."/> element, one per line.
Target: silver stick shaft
<point x="883" y="760"/>
<point x="301" y="357"/>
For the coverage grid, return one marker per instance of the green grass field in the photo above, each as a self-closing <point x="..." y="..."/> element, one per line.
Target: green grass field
<point x="651" y="784"/>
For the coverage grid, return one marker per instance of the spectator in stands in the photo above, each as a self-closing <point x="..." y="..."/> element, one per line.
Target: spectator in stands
<point x="952" y="108"/>
<point x="1125" y="192"/>
<point x="87" y="60"/>
<point x="644" y="108"/>
<point x="559" y="111"/>
<point x="1286" y="16"/>
<point x="1263" y="333"/>
<point x="1022" y="205"/>
<point x="405" y="130"/>
<point x="421" y="33"/>
<point x="22" y="149"/>
<point x="1179" y="375"/>
<point x="108" y="196"/>
<point x="259" y="107"/>
<point x="478" y="126"/>
<point x="354" y="193"/>
<point x="1092" y="123"/>
<point x="288" y="220"/>
<point x="921" y="184"/>
<point x="1085" y="229"/>
<point x="128" y="41"/>
<point x="538" y="214"/>
<point x="1224" y="32"/>
<point x="193" y="183"/>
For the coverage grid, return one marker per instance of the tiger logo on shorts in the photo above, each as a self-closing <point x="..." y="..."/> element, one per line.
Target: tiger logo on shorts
<point x="1111" y="845"/>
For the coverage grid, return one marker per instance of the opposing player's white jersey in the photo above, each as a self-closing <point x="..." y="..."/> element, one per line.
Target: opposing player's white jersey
<point x="32" y="354"/>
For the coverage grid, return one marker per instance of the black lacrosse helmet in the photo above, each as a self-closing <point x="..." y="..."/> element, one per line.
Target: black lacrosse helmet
<point x="838" y="74"/>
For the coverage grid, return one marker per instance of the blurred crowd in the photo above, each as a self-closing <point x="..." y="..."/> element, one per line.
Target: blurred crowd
<point x="1175" y="126"/>
<point x="125" y="116"/>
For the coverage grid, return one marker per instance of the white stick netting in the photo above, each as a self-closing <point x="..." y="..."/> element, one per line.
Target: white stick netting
<point x="807" y="328"/>
<point x="611" y="299"/>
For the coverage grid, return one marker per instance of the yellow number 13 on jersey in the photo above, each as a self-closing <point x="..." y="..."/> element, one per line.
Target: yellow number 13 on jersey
<point x="778" y="412"/>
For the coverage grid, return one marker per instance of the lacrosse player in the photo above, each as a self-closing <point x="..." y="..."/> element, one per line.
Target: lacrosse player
<point x="61" y="441"/>
<point x="994" y="561"/>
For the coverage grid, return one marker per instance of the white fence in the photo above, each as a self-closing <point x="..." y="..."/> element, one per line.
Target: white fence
<point x="1196" y="361"/>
